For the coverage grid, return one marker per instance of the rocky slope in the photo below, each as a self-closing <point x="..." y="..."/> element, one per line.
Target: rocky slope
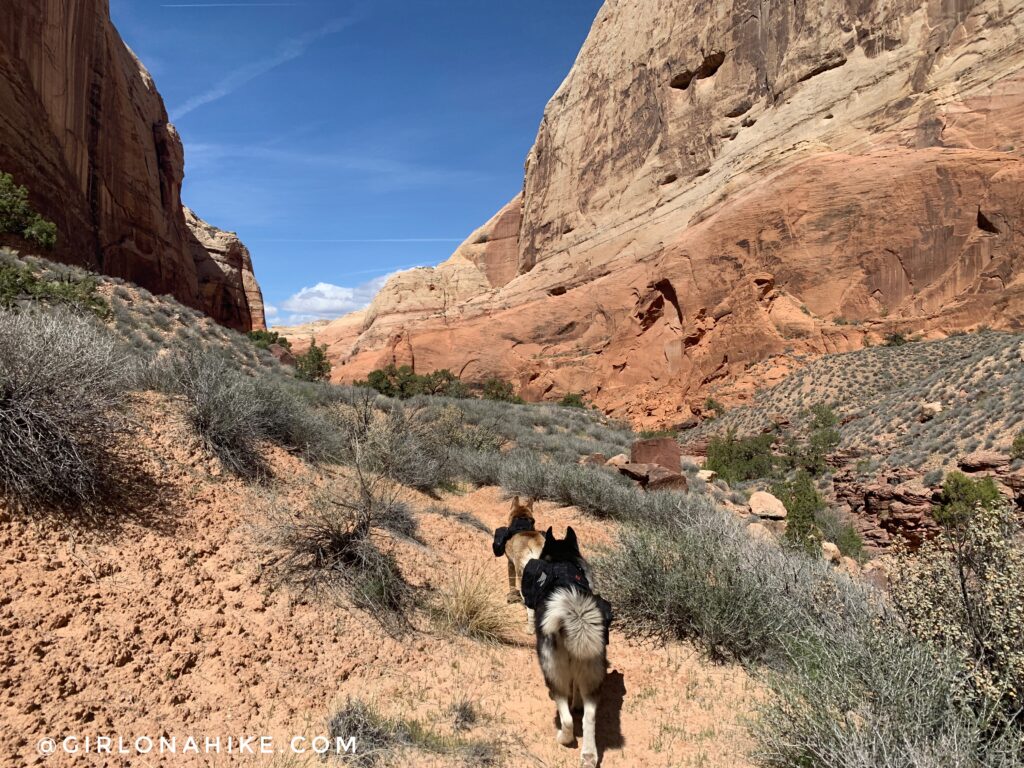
<point x="713" y="186"/>
<point x="84" y="128"/>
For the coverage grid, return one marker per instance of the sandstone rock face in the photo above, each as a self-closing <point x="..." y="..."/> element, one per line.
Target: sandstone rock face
<point x="84" y="128"/>
<point x="715" y="184"/>
<point x="227" y="286"/>
<point x="888" y="505"/>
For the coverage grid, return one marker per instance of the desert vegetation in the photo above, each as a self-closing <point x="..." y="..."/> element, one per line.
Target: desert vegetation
<point x="929" y="675"/>
<point x="974" y="381"/>
<point x="265" y="339"/>
<point x="17" y="217"/>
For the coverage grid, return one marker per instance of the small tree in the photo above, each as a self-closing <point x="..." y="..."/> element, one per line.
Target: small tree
<point x="313" y="365"/>
<point x="445" y="383"/>
<point x="573" y="400"/>
<point x="802" y="503"/>
<point x="961" y="496"/>
<point x="18" y="218"/>
<point x="713" y="406"/>
<point x="263" y="339"/>
<point x="1017" y="449"/>
<point x="737" y="459"/>
<point x="499" y="389"/>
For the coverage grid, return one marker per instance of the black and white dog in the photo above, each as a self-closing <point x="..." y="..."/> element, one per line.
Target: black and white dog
<point x="572" y="635"/>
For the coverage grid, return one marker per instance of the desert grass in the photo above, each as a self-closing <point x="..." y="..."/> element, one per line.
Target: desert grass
<point x="467" y="606"/>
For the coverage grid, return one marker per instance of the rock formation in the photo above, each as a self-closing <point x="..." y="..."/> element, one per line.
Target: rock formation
<point x="715" y="185"/>
<point x="84" y="128"/>
<point x="227" y="286"/>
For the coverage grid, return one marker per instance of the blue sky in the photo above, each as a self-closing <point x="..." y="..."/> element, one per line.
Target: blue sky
<point x="346" y="139"/>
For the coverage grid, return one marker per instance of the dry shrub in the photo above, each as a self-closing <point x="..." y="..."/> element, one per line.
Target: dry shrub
<point x="389" y="741"/>
<point x="62" y="382"/>
<point x="329" y="548"/>
<point x="468" y="607"/>
<point x="233" y="412"/>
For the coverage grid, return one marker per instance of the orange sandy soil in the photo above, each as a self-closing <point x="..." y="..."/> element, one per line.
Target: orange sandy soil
<point x="163" y="625"/>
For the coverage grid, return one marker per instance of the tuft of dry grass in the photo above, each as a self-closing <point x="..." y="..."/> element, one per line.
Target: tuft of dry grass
<point x="468" y="607"/>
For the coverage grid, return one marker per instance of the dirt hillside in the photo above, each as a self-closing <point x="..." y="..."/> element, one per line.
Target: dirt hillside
<point x="158" y="622"/>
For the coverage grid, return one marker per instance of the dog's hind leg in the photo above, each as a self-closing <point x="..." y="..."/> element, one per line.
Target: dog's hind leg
<point x="588" y="757"/>
<point x="576" y="700"/>
<point x="565" y="735"/>
<point x="513" y="587"/>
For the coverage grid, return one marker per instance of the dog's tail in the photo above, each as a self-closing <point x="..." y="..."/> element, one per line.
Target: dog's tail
<point x="577" y="617"/>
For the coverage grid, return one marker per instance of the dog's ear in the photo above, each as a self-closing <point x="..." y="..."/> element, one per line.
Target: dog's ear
<point x="549" y="536"/>
<point x="570" y="538"/>
<point x="529" y="504"/>
<point x="515" y="501"/>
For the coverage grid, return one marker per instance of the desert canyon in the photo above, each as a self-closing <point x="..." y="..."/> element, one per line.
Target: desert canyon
<point x="717" y="185"/>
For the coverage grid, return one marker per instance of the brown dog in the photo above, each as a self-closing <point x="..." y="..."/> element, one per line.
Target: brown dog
<point x="520" y="549"/>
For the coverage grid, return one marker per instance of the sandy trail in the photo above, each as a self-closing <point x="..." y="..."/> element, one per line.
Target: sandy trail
<point x="169" y="630"/>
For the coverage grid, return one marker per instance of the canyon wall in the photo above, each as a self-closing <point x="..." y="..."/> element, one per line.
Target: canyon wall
<point x="84" y="128"/>
<point x="719" y="184"/>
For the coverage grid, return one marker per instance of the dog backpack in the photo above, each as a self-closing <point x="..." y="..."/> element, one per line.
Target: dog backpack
<point x="503" y="534"/>
<point x="541" y="577"/>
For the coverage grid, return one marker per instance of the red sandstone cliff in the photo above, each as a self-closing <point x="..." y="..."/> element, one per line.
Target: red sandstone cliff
<point x="717" y="184"/>
<point x="84" y="128"/>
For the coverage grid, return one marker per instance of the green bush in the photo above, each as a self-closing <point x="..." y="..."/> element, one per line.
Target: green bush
<point x="404" y="383"/>
<point x="573" y="400"/>
<point x="18" y="218"/>
<point x="232" y="412"/>
<point x="500" y="390"/>
<point x="62" y="382"/>
<point x="820" y="438"/>
<point x="1017" y="449"/>
<point x="803" y="504"/>
<point x="21" y="283"/>
<point x="713" y="406"/>
<point x="962" y="496"/>
<point x="841" y="533"/>
<point x="313" y="365"/>
<point x="263" y="339"/>
<point x="738" y="459"/>
<point x="849" y="686"/>
<point x="896" y="340"/>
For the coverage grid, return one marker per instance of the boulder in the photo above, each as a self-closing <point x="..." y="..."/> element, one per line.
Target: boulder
<point x="929" y="411"/>
<point x="661" y="479"/>
<point x="979" y="461"/>
<point x="283" y="354"/>
<point x="830" y="552"/>
<point x="707" y="475"/>
<point x="764" y="504"/>
<point x="638" y="472"/>
<point x="663" y="451"/>
<point x="850" y="565"/>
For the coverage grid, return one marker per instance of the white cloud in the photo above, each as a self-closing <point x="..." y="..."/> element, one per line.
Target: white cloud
<point x="289" y="50"/>
<point x="325" y="301"/>
<point x="270" y="311"/>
